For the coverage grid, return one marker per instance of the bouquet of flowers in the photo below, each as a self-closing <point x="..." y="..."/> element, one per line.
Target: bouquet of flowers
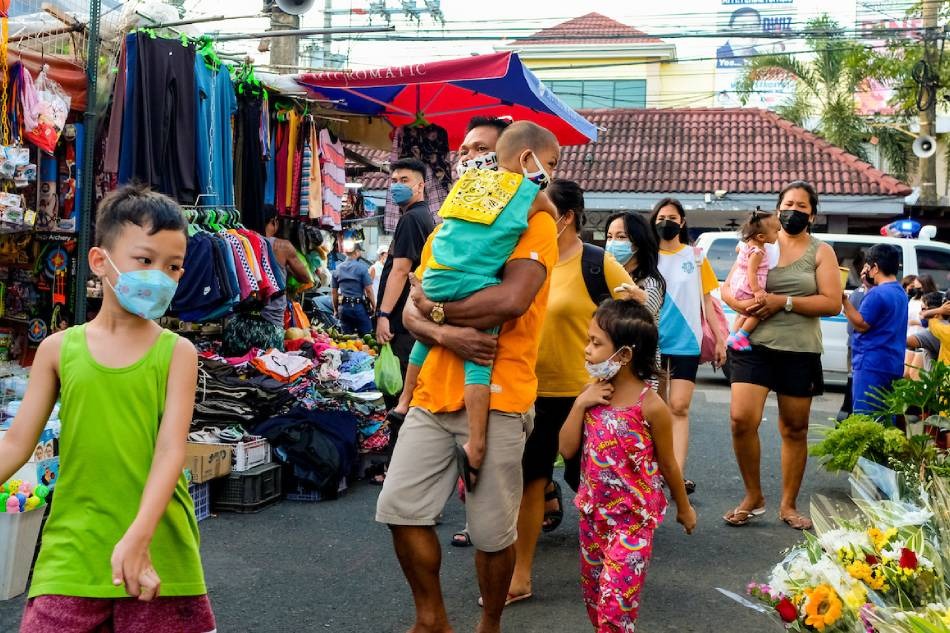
<point x="877" y="567"/>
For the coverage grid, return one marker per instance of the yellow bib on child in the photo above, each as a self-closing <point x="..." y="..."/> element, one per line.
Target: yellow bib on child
<point x="480" y="195"/>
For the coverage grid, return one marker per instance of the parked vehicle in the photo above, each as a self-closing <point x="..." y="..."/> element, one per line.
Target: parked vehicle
<point x="920" y="256"/>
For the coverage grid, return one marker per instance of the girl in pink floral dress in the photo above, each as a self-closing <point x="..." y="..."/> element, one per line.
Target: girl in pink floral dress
<point x="627" y="453"/>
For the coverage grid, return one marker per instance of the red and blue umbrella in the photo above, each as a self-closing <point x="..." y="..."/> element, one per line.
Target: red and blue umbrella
<point x="449" y="93"/>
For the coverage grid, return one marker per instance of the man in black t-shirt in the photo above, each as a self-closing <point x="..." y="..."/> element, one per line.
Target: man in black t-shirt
<point x="408" y="191"/>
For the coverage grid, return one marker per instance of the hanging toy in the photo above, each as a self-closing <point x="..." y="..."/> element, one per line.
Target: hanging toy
<point x="36" y="330"/>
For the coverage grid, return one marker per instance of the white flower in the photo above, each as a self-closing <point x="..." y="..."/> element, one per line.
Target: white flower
<point x="844" y="539"/>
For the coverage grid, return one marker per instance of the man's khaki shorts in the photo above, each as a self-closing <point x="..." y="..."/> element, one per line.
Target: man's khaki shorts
<point x="423" y="473"/>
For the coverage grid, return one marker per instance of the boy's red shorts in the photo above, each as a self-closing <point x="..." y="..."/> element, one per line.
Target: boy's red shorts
<point x="69" y="614"/>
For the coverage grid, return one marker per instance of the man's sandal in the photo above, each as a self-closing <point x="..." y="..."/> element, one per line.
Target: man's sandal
<point x="553" y="518"/>
<point x="740" y="517"/>
<point x="461" y="539"/>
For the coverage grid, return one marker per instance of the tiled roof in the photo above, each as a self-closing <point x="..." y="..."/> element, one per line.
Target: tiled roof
<point x="593" y="28"/>
<point x="740" y="150"/>
<point x="677" y="151"/>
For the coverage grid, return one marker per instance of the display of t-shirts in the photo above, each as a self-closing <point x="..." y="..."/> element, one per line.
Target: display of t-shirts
<point x="224" y="269"/>
<point x="163" y="117"/>
<point x="216" y="104"/>
<point x="332" y="169"/>
<point x="293" y="133"/>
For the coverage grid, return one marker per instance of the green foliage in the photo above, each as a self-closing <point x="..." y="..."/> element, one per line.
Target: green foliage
<point x="824" y="85"/>
<point x="860" y="436"/>
<point x="929" y="395"/>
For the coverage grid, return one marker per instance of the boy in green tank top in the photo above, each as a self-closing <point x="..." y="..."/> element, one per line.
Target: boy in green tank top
<point x="122" y="529"/>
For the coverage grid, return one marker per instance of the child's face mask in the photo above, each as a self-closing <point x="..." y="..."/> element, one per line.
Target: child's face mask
<point x="539" y="177"/>
<point x="144" y="293"/>
<point x="606" y="369"/>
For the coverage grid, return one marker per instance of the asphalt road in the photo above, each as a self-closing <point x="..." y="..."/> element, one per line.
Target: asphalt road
<point x="299" y="567"/>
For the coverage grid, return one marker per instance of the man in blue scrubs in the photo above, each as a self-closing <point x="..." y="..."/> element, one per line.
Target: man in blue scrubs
<point x="880" y="328"/>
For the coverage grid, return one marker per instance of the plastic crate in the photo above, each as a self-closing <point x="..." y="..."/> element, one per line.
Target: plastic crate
<point x="302" y="494"/>
<point x="247" y="454"/>
<point x="18" y="533"/>
<point x="248" y="491"/>
<point x="201" y="496"/>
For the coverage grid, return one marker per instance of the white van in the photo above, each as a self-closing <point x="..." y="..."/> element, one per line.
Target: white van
<point x="920" y="257"/>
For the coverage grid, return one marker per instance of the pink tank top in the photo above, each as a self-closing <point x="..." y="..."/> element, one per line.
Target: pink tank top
<point x="619" y="473"/>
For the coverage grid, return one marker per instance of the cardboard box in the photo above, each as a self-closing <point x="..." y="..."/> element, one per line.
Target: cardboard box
<point x="207" y="461"/>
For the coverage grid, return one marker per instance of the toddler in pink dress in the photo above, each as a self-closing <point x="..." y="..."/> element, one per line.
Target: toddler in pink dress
<point x="751" y="272"/>
<point x="624" y="432"/>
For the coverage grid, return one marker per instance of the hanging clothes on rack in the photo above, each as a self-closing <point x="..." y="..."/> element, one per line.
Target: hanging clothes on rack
<point x="294" y="163"/>
<point x="332" y="169"/>
<point x="249" y="166"/>
<point x="315" y="177"/>
<point x="216" y="105"/>
<point x="306" y="167"/>
<point x="160" y="134"/>
<point x="429" y="144"/>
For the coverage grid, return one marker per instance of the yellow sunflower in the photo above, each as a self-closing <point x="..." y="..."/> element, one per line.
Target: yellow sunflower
<point x="822" y="608"/>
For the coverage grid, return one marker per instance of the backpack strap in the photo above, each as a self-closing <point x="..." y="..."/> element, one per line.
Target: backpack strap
<point x="592" y="267"/>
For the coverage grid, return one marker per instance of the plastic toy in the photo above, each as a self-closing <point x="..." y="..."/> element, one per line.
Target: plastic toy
<point x="13" y="486"/>
<point x="3" y="499"/>
<point x="13" y="505"/>
<point x="32" y="503"/>
<point x="41" y="491"/>
<point x="26" y="488"/>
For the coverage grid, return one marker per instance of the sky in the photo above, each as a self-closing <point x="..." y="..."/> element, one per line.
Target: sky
<point x="507" y="18"/>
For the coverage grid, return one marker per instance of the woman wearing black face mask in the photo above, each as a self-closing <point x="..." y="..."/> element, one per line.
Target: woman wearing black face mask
<point x="916" y="287"/>
<point x="804" y="286"/>
<point x="689" y="281"/>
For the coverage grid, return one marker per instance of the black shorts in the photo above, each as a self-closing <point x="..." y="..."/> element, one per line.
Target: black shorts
<point x="680" y="367"/>
<point x="796" y="374"/>
<point x="540" y="450"/>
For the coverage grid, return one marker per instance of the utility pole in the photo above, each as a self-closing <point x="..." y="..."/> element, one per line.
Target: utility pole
<point x="284" y="51"/>
<point x="327" y="24"/>
<point x="927" y="167"/>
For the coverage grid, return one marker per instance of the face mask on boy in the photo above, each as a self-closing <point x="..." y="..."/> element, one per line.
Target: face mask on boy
<point x="144" y="293"/>
<point x="540" y="177"/>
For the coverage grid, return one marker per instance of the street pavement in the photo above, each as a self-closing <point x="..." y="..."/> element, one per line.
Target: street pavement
<point x="299" y="567"/>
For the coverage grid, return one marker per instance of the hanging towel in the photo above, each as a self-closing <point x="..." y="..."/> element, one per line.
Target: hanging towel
<point x="315" y="186"/>
<point x="332" y="164"/>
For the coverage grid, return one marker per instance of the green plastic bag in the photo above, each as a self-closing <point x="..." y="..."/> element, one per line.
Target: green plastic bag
<point x="388" y="372"/>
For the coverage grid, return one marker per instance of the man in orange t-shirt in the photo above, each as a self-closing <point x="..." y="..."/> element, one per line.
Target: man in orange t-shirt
<point x="423" y="471"/>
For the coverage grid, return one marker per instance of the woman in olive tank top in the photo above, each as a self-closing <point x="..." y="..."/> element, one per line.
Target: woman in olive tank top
<point x="785" y="356"/>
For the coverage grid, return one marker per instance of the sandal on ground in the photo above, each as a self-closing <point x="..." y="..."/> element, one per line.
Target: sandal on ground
<point x="690" y="486"/>
<point x="740" y="517"/>
<point x="376" y="474"/>
<point x="461" y="539"/>
<point x="510" y="598"/>
<point x="796" y="521"/>
<point x="553" y="518"/>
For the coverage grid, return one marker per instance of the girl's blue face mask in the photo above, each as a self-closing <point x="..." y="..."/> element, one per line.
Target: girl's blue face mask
<point x="622" y="250"/>
<point x="144" y="293"/>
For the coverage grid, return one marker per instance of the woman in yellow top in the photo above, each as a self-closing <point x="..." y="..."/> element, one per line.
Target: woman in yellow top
<point x="560" y="370"/>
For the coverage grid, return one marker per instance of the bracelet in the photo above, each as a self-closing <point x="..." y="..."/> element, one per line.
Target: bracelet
<point x="382" y="315"/>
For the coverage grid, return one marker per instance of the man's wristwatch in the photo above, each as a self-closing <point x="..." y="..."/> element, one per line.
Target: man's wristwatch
<point x="788" y="304"/>
<point x="437" y="314"/>
<point x="383" y="315"/>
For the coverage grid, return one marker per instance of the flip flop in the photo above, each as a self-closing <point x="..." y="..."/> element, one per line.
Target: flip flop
<point x="510" y="598"/>
<point x="796" y="521"/>
<point x="553" y="518"/>
<point x="465" y="468"/>
<point x="461" y="539"/>
<point x="740" y="517"/>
